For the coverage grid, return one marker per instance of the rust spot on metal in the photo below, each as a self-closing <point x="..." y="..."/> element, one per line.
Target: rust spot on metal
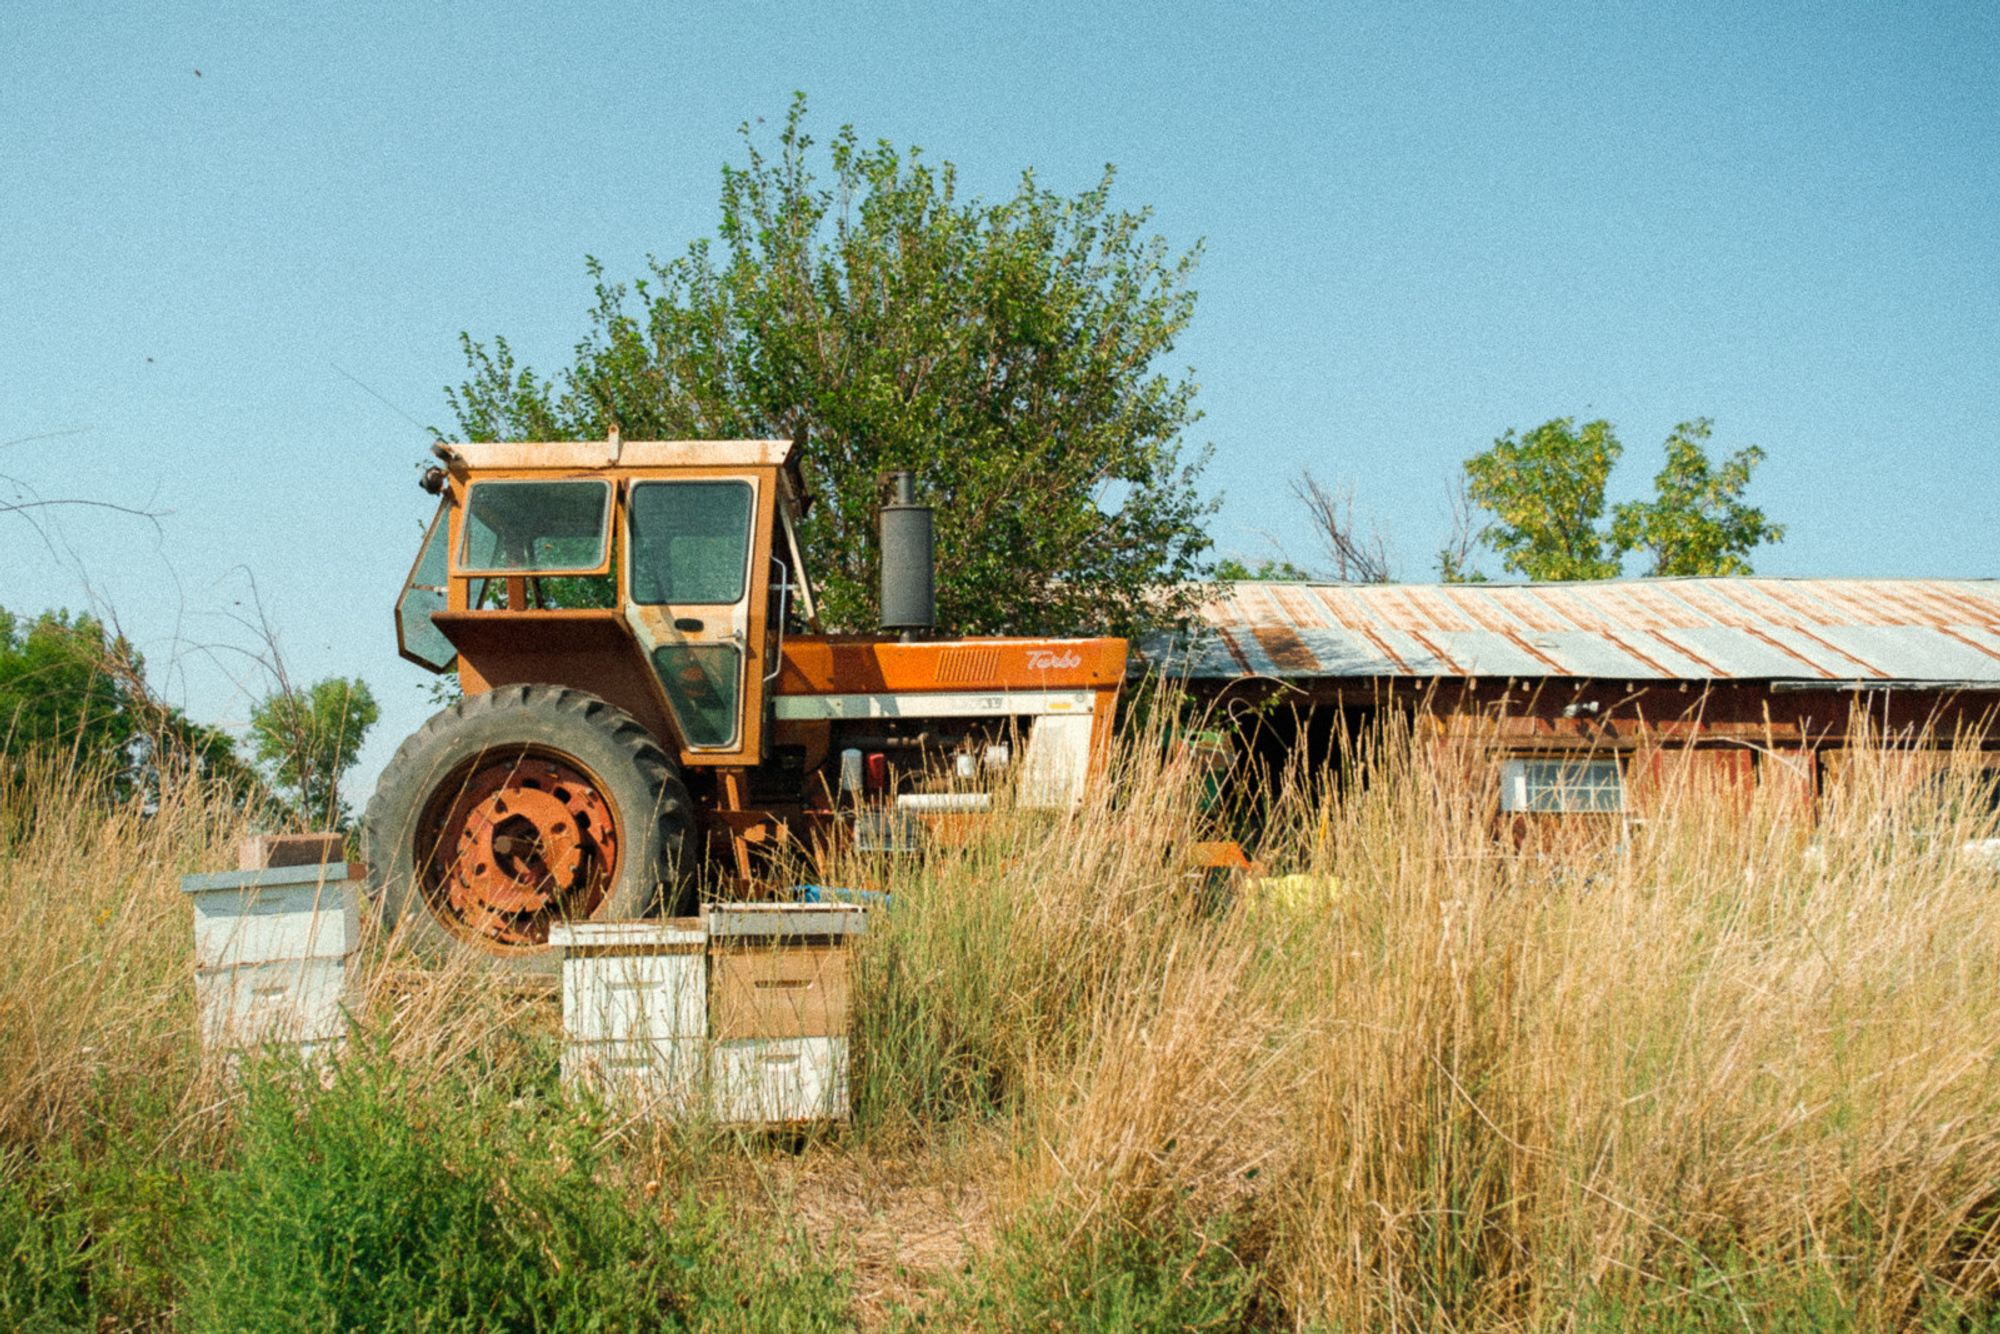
<point x="1635" y="654"/>
<point x="1974" y="644"/>
<point x="1436" y="651"/>
<point x="1831" y="647"/>
<point x="1229" y="642"/>
<point x="1791" y="618"/>
<point x="1689" y="653"/>
<point x="1971" y="610"/>
<point x="1480" y="614"/>
<point x="1766" y="638"/>
<point x="1520" y="641"/>
<point x="1421" y="612"/>
<point x="1382" y="646"/>
<point x="1297" y="602"/>
<point x="1285" y="648"/>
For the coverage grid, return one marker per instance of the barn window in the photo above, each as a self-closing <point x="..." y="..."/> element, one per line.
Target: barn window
<point x="1559" y="787"/>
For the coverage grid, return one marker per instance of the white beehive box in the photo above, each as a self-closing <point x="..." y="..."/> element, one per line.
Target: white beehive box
<point x="635" y="1009"/>
<point x="779" y="1011"/>
<point x="272" y="953"/>
<point x="778" y="1081"/>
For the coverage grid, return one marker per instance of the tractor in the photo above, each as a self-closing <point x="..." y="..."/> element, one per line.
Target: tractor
<point x="650" y="710"/>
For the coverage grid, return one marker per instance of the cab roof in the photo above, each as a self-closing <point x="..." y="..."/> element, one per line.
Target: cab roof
<point x="583" y="455"/>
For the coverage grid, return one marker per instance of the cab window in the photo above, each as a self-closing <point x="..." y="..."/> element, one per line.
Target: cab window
<point x="424" y="593"/>
<point x="535" y="527"/>
<point x="701" y="683"/>
<point x="690" y="542"/>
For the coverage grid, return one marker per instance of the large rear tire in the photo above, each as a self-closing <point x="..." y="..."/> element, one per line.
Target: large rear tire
<point x="520" y="808"/>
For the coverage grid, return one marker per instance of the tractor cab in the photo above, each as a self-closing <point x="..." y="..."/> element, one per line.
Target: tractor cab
<point x="658" y="575"/>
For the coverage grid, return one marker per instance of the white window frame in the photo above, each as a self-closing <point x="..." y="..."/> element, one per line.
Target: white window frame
<point x="1537" y="785"/>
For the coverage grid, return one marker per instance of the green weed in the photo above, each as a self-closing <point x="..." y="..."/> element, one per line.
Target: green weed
<point x="382" y="1203"/>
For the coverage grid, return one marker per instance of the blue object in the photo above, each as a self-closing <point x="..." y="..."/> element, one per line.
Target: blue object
<point x="834" y="894"/>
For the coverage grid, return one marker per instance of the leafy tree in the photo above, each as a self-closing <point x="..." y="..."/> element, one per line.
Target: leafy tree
<point x="1455" y="567"/>
<point x="307" y="738"/>
<point x="1545" y="491"/>
<point x="1007" y="351"/>
<point x="58" y="691"/>
<point x="1545" y="494"/>
<point x="1697" y="524"/>
<point x="69" y="687"/>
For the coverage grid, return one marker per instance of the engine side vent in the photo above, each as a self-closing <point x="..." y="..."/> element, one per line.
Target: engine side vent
<point x="967" y="666"/>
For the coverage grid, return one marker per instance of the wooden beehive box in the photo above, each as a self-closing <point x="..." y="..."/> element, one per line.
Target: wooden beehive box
<point x="273" y="950"/>
<point x="778" y="1011"/>
<point x="635" y="1009"/>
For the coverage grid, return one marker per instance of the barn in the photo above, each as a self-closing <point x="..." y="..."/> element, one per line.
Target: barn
<point x="1580" y="694"/>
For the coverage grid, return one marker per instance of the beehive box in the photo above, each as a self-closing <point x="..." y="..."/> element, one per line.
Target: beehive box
<point x="273" y="950"/>
<point x="778" y="990"/>
<point x="778" y="1011"/>
<point x="635" y="1009"/>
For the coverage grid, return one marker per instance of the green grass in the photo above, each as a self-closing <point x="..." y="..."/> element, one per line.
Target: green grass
<point x="382" y="1202"/>
<point x="95" y="1230"/>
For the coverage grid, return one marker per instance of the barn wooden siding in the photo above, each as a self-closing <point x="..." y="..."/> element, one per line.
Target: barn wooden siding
<point x="1732" y="684"/>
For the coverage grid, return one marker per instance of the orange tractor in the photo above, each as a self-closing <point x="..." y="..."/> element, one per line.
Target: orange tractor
<point x="649" y="704"/>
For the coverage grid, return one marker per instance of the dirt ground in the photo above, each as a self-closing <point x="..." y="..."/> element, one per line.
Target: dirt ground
<point x="902" y="1223"/>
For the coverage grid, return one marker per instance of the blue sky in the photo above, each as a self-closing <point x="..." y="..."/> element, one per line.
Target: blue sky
<point x="238" y="295"/>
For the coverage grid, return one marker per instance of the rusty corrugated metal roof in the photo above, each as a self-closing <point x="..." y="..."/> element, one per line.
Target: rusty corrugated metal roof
<point x="1831" y="630"/>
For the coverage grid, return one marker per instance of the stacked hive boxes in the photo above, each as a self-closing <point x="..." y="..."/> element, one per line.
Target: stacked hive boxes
<point x="635" y="1009"/>
<point x="778" y="1003"/>
<point x="742" y="1016"/>
<point x="272" y="952"/>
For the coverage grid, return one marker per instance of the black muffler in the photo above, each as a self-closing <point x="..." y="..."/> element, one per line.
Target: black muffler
<point x="909" y="561"/>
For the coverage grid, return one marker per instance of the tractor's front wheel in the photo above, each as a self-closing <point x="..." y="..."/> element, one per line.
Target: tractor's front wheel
<point x="520" y="808"/>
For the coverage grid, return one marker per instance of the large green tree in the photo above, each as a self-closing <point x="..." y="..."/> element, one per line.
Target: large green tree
<point x="58" y="690"/>
<point x="1543" y="493"/>
<point x="1011" y="352"/>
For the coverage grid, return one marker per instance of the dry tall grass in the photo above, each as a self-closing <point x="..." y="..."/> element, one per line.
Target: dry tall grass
<point x="1723" y="1046"/>
<point x="1723" y="1062"/>
<point x="96" y="975"/>
<point x="1724" y="1067"/>
<point x="96" y="997"/>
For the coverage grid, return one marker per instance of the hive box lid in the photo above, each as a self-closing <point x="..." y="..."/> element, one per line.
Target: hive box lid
<point x="270" y="877"/>
<point x="264" y="922"/>
<point x="785" y="920"/>
<point x="622" y="935"/>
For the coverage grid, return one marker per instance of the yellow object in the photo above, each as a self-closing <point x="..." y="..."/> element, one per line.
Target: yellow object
<point x="1301" y="894"/>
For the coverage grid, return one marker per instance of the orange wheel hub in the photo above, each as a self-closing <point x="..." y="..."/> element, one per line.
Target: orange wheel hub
<point x="525" y="842"/>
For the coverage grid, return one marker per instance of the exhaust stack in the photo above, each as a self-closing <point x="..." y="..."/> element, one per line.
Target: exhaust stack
<point x="909" y="593"/>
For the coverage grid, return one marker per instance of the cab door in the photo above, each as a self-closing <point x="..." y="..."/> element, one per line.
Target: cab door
<point x="697" y="577"/>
